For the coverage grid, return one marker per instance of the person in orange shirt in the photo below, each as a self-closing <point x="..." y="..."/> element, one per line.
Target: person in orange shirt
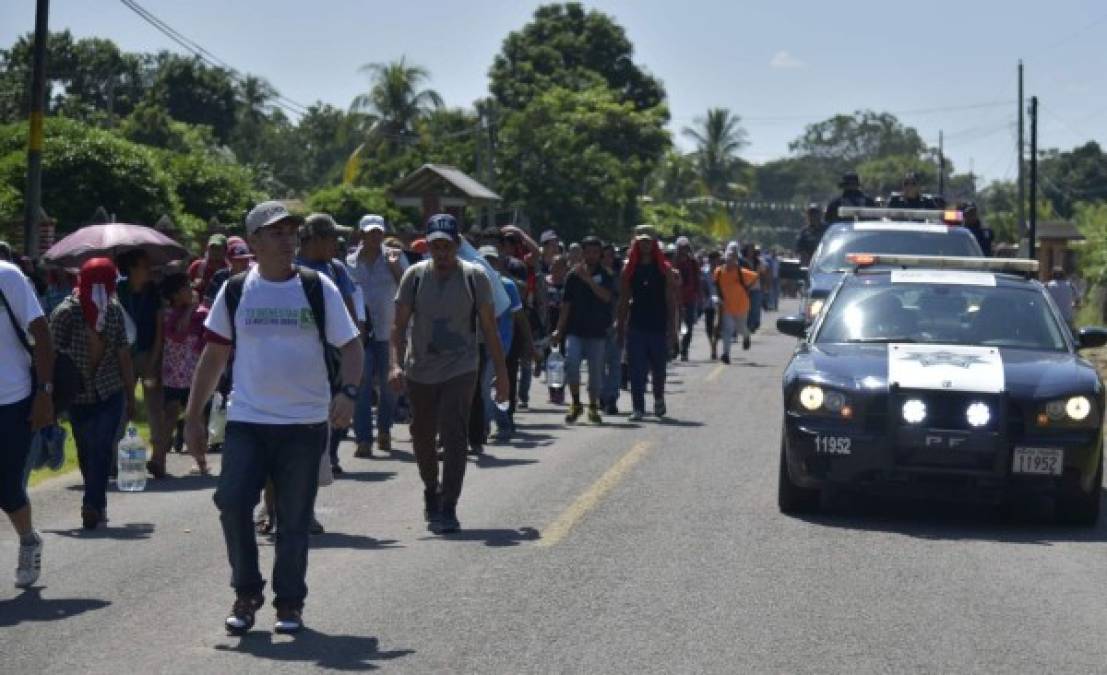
<point x="734" y="283"/>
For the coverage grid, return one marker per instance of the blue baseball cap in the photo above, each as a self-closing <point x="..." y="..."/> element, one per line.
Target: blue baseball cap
<point x="442" y="226"/>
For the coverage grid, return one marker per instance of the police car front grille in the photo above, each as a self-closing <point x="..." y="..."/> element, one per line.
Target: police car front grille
<point x="947" y="410"/>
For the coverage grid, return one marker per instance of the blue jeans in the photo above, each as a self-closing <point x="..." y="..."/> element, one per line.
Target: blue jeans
<point x="646" y="352"/>
<point x="526" y="375"/>
<point x="94" y="431"/>
<point x="15" y="445"/>
<point x="754" y="317"/>
<point x="375" y="374"/>
<point x="593" y="350"/>
<point x="504" y="423"/>
<point x="689" y="314"/>
<point x="612" y="369"/>
<point x="287" y="454"/>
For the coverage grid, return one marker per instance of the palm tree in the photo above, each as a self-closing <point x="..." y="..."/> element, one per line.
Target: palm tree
<point x="395" y="101"/>
<point x="254" y="96"/>
<point x="718" y="137"/>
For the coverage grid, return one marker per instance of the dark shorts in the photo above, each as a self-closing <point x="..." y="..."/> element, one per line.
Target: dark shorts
<point x="176" y="394"/>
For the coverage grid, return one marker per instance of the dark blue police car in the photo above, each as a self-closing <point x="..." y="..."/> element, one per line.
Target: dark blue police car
<point x="942" y="377"/>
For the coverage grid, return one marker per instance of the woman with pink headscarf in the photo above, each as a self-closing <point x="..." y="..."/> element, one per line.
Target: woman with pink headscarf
<point x="88" y="327"/>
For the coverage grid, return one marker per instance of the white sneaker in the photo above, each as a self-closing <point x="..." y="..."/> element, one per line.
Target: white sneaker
<point x="30" y="563"/>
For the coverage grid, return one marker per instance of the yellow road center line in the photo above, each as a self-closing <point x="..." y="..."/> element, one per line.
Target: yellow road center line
<point x="715" y="373"/>
<point x="560" y="528"/>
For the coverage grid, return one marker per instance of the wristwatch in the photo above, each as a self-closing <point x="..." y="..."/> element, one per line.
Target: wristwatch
<point x="46" y="387"/>
<point x="349" y="391"/>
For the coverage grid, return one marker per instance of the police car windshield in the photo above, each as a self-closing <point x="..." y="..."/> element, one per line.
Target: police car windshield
<point x="925" y="240"/>
<point x="943" y="313"/>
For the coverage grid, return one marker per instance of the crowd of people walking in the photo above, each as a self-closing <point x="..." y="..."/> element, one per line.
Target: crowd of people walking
<point x="306" y="340"/>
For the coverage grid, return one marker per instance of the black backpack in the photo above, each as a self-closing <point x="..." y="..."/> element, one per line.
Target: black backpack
<point x="313" y="288"/>
<point x="67" y="378"/>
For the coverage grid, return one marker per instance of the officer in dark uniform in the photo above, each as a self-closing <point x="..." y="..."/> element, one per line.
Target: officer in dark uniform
<point x="851" y="196"/>
<point x="811" y="234"/>
<point x="912" y="196"/>
<point x="984" y="234"/>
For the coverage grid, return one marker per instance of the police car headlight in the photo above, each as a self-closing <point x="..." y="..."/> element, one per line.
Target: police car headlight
<point x="811" y="397"/>
<point x="1078" y="408"/>
<point x="914" y="411"/>
<point x="814" y="307"/>
<point x="978" y="414"/>
<point x="834" y="401"/>
<point x="1055" y="410"/>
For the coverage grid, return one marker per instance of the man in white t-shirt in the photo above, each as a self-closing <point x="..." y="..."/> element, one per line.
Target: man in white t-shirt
<point x="22" y="411"/>
<point x="278" y="411"/>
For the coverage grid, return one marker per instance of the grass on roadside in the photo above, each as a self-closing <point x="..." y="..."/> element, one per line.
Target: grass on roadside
<point x="140" y="422"/>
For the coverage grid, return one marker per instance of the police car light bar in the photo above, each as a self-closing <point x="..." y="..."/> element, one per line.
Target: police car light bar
<point x="942" y="262"/>
<point x="947" y="216"/>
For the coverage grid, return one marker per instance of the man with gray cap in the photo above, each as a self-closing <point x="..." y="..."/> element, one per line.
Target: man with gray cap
<point x="277" y="318"/>
<point x="445" y="300"/>
<point x="377" y="271"/>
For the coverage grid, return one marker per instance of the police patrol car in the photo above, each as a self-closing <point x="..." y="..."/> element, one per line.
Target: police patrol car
<point x="942" y="377"/>
<point x="882" y="230"/>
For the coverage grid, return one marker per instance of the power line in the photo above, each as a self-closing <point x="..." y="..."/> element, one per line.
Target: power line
<point x="207" y="57"/>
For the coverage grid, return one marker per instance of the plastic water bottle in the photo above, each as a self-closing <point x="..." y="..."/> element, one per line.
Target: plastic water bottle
<point x="132" y="462"/>
<point x="555" y="370"/>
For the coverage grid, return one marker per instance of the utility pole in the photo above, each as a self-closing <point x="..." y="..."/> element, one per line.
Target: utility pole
<point x="32" y="202"/>
<point x="941" y="166"/>
<point x="1021" y="211"/>
<point x="1033" y="232"/>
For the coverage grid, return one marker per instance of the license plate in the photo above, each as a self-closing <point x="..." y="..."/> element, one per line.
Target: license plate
<point x="833" y="445"/>
<point x="1040" y="461"/>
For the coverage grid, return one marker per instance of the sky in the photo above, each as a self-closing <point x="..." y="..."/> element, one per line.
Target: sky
<point x="942" y="65"/>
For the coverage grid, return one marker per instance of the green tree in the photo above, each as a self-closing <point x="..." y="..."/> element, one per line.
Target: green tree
<point x="846" y="141"/>
<point x="348" y="203"/>
<point x="90" y="78"/>
<point x="675" y="179"/>
<point x="566" y="46"/>
<point x="1066" y="178"/>
<point x="718" y="137"/>
<point x="193" y="92"/>
<point x="85" y="167"/>
<point x="578" y="159"/>
<point x="396" y="99"/>
<point x="207" y="187"/>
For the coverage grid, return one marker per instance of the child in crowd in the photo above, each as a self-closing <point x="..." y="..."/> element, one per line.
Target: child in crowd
<point x="555" y="289"/>
<point x="180" y="341"/>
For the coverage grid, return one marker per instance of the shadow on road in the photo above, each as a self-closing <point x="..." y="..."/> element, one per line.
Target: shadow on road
<point x="398" y="455"/>
<point x="130" y="531"/>
<point x="367" y="476"/>
<point x="670" y="422"/>
<point x="493" y="537"/>
<point x="356" y="542"/>
<point x="312" y="648"/>
<point x="487" y="461"/>
<point x="182" y="483"/>
<point x="1031" y="523"/>
<point x="31" y="606"/>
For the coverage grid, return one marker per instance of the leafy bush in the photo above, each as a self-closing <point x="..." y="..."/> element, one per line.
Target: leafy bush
<point x="349" y="203"/>
<point x="83" y="168"/>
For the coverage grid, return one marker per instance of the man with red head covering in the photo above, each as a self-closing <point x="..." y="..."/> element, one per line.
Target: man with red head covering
<point x="88" y="327"/>
<point x="647" y="319"/>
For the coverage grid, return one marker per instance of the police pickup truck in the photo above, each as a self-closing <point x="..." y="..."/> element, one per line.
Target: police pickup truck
<point x="881" y="230"/>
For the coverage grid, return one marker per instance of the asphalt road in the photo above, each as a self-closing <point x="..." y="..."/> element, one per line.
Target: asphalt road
<point x="627" y="548"/>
